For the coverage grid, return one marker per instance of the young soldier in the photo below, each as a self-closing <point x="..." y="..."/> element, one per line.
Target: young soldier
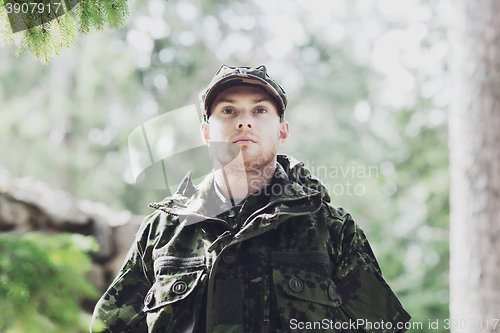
<point x="256" y="247"/>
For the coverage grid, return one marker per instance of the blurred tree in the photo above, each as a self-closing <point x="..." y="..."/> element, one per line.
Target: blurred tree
<point x="475" y="166"/>
<point x="42" y="279"/>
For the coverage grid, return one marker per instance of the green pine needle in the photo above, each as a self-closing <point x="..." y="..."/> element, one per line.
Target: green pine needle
<point x="46" y="40"/>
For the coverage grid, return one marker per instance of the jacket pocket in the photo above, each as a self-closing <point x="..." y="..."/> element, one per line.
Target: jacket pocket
<point x="175" y="279"/>
<point x="304" y="291"/>
<point x="173" y="302"/>
<point x="168" y="289"/>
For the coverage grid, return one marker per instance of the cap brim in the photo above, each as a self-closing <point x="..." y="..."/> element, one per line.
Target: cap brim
<point x="241" y="79"/>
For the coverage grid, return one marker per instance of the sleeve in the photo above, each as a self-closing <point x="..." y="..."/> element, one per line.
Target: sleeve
<point x="366" y="298"/>
<point x="120" y="309"/>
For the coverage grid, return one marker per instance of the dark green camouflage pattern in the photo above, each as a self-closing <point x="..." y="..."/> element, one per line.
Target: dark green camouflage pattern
<point x="262" y="267"/>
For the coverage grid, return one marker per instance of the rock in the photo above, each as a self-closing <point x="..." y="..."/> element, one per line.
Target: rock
<point x="28" y="205"/>
<point x="124" y="237"/>
<point x="103" y="233"/>
<point x="97" y="276"/>
<point x="13" y="215"/>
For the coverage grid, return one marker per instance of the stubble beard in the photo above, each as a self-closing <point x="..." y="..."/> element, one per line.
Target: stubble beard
<point x="260" y="168"/>
<point x="259" y="164"/>
<point x="257" y="167"/>
<point x="239" y="160"/>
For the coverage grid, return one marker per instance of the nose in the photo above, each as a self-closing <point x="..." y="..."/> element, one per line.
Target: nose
<point x="244" y="121"/>
<point x="242" y="125"/>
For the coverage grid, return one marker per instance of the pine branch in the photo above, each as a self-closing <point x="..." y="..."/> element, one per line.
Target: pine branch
<point x="57" y="31"/>
<point x="63" y="32"/>
<point x="30" y="42"/>
<point x="117" y="12"/>
<point x="68" y="27"/>
<point x="100" y="15"/>
<point x="6" y="34"/>
<point x="47" y="34"/>
<point x="49" y="47"/>
<point x="46" y="48"/>
<point x="85" y="15"/>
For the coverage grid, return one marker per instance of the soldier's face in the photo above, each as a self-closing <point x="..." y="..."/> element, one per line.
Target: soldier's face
<point x="247" y="117"/>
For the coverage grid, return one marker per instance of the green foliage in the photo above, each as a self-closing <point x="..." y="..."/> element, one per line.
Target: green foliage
<point x="41" y="280"/>
<point x="46" y="36"/>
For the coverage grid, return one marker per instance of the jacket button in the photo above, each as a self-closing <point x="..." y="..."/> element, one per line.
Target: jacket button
<point x="229" y="257"/>
<point x="149" y="298"/>
<point x="295" y="284"/>
<point x="179" y="287"/>
<point x="332" y="292"/>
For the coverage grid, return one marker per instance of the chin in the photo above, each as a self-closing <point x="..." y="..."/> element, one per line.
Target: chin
<point x="258" y="161"/>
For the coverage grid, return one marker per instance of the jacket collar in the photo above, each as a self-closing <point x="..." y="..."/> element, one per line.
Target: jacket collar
<point x="294" y="190"/>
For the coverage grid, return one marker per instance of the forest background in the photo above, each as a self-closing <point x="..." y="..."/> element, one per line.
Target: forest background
<point x="368" y="95"/>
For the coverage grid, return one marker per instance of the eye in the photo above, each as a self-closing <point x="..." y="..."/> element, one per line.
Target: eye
<point x="227" y="111"/>
<point x="260" y="110"/>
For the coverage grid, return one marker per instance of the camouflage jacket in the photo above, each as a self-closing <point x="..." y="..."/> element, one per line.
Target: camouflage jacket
<point x="296" y="264"/>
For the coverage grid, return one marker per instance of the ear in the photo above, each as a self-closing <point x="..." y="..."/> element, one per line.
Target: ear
<point x="283" y="133"/>
<point x="205" y="133"/>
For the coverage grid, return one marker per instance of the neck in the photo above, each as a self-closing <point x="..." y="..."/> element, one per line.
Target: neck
<point x="237" y="182"/>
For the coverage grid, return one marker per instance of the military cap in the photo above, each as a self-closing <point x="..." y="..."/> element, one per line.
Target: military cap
<point x="229" y="76"/>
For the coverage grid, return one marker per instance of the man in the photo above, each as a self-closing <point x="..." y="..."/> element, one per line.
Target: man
<point x="256" y="247"/>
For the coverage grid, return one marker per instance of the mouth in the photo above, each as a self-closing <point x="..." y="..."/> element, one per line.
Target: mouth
<point x="244" y="140"/>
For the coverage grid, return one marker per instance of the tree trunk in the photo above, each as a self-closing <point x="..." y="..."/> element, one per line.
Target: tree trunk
<point x="474" y="142"/>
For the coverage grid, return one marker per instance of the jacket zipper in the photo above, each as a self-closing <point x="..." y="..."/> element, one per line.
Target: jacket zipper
<point x="210" y="298"/>
<point x="267" y="296"/>
<point x="211" y="282"/>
